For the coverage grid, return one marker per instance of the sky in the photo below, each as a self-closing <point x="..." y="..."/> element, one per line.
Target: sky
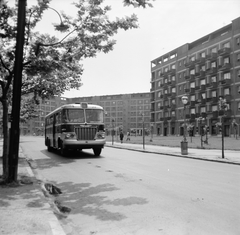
<point x="166" y="26"/>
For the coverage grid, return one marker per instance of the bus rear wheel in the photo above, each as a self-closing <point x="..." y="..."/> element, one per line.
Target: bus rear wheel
<point x="97" y="151"/>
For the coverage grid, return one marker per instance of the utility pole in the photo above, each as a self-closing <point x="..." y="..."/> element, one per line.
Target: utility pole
<point x="16" y="98"/>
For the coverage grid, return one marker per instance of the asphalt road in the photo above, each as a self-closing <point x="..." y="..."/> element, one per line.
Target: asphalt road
<point x="128" y="192"/>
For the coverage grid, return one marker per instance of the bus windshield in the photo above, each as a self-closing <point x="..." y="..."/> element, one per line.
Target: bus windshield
<point x="94" y="115"/>
<point x="73" y="115"/>
<point x="77" y="115"/>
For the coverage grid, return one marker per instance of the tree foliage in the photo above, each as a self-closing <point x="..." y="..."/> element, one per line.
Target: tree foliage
<point x="52" y="65"/>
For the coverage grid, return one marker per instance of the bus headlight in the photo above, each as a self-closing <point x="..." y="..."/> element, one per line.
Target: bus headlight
<point x="70" y="135"/>
<point x="100" y="135"/>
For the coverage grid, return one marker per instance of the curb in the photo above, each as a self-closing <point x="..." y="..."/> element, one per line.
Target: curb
<point x="55" y="226"/>
<point x="174" y="155"/>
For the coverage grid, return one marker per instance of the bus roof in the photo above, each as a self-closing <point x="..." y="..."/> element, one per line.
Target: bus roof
<point x="75" y="106"/>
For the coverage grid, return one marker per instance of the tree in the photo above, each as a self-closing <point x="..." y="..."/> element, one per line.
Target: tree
<point x="51" y="65"/>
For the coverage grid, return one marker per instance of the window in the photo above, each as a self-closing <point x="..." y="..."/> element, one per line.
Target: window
<point x="159" y="83"/>
<point x="173" y="101"/>
<point x="180" y="64"/>
<point x="192" y="85"/>
<point x="239" y="106"/>
<point x="203" y="82"/>
<point x="165" y="91"/>
<point x="203" y="68"/>
<point x="238" y="41"/>
<point x="238" y="57"/>
<point x="174" y="90"/>
<point x="213" y="64"/>
<point x="159" y="73"/>
<point x="166" y="103"/>
<point x="192" y="111"/>
<point x="214" y="94"/>
<point x="214" y="108"/>
<point x="226" y="60"/>
<point x="173" y="66"/>
<point x="159" y="105"/>
<point x="192" y="98"/>
<point x="226" y="91"/>
<point x="214" y="50"/>
<point x="159" y="94"/>
<point x="203" y="54"/>
<point x="173" y="78"/>
<point x="165" y="70"/>
<point x="192" y="58"/>
<point x="226" y="45"/>
<point x="203" y="109"/>
<point x="226" y="76"/>
<point x="173" y="113"/>
<point x="180" y="88"/>
<point x="179" y="76"/>
<point x="213" y="79"/>
<point x="165" y="80"/>
<point x="192" y="71"/>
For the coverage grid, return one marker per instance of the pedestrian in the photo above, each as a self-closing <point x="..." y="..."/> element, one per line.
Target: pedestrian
<point x="128" y="136"/>
<point x="121" y="136"/>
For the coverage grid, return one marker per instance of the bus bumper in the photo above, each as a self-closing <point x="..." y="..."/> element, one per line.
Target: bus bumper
<point x="83" y="144"/>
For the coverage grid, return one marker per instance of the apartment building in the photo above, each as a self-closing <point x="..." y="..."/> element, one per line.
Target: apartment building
<point x="123" y="111"/>
<point x="204" y="71"/>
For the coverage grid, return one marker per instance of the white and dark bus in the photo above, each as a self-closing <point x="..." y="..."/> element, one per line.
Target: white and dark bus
<point x="75" y="127"/>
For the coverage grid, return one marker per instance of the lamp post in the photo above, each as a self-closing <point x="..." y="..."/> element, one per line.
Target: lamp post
<point x="222" y="105"/>
<point x="151" y="125"/>
<point x="184" y="143"/>
<point x="143" y="131"/>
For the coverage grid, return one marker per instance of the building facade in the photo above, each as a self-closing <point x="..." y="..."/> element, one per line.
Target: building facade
<point x="123" y="111"/>
<point x="204" y="71"/>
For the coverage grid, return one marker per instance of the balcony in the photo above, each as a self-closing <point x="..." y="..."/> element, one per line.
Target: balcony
<point x="203" y="115"/>
<point x="173" y="119"/>
<point x="211" y="70"/>
<point x="192" y="116"/>
<point x="226" y="82"/>
<point x="228" y="97"/>
<point x="203" y="87"/>
<point x="225" y="113"/>
<point x="197" y="87"/>
<point x="192" y="103"/>
<point x="192" y="90"/>
<point x="224" y="51"/>
<point x="200" y="60"/>
<point x="173" y="94"/>
<point x="225" y="66"/>
<point x="173" y="106"/>
<point x="213" y="84"/>
<point x="211" y="56"/>
<point x="187" y="90"/>
<point x="162" y="119"/>
<point x="214" y="100"/>
<point x="200" y="74"/>
<point x="215" y="114"/>
<point x="169" y="118"/>
<point x="190" y="64"/>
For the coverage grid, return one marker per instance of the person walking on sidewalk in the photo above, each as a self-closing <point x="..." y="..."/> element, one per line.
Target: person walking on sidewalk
<point x="121" y="136"/>
<point x="128" y="136"/>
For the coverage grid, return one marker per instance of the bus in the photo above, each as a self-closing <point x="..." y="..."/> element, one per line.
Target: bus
<point x="75" y="127"/>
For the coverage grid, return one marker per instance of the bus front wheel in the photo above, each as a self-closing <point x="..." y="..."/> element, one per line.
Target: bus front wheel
<point x="63" y="151"/>
<point x="97" y="151"/>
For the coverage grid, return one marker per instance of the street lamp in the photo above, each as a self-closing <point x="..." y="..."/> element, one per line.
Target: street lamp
<point x="184" y="143"/>
<point x="223" y="106"/>
<point x="143" y="124"/>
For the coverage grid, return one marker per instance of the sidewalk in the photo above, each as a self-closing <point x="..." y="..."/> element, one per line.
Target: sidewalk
<point x="230" y="156"/>
<point x="24" y="209"/>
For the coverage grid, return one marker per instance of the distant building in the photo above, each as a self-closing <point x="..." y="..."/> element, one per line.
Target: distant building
<point x="123" y="111"/>
<point x="203" y="70"/>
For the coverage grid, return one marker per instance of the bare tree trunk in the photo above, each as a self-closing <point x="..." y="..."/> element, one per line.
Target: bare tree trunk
<point x="5" y="138"/>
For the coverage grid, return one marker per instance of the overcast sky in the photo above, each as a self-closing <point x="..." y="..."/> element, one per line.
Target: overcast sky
<point x="166" y="26"/>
